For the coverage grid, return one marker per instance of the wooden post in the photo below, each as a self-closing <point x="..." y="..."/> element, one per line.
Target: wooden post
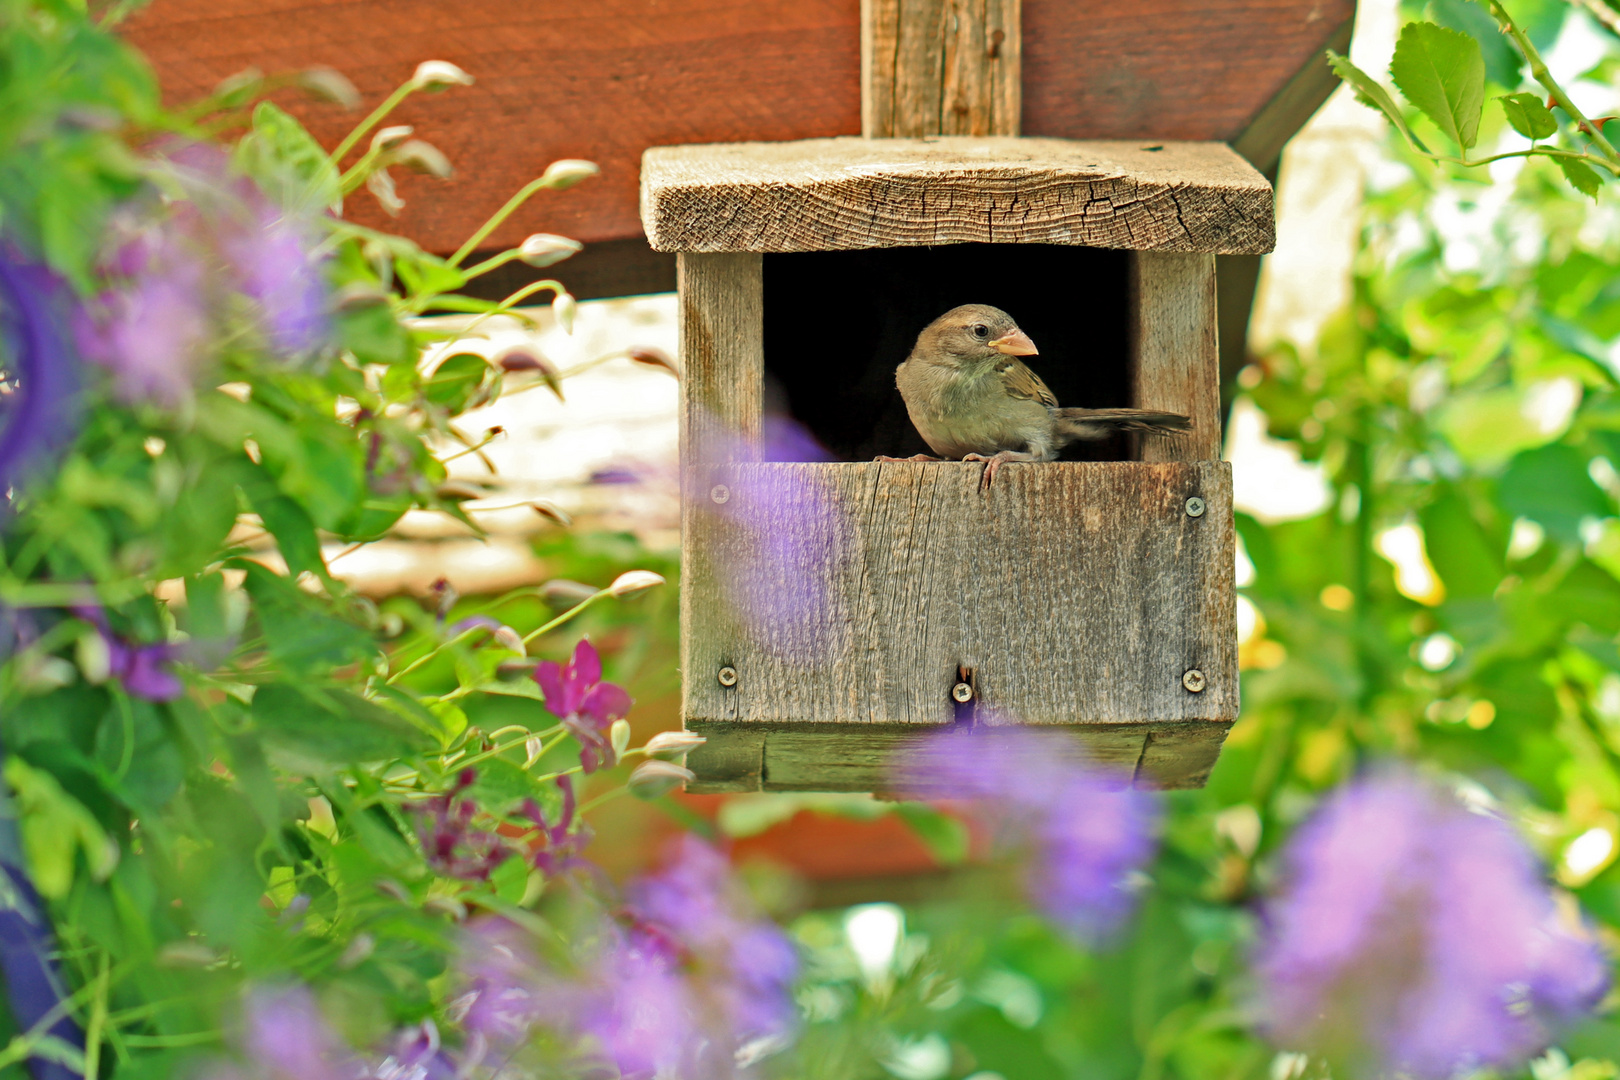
<point x="1175" y="356"/>
<point x="940" y="67"/>
<point x="722" y="355"/>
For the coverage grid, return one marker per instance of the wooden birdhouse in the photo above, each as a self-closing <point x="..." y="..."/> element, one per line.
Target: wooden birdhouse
<point x="835" y="606"/>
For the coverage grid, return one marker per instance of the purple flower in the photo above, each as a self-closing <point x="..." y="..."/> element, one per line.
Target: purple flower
<point x="38" y="398"/>
<point x="1412" y="935"/>
<point x="786" y="539"/>
<point x="643" y="1015"/>
<point x="286" y="1038"/>
<point x="744" y="965"/>
<point x="507" y="991"/>
<point x="557" y="847"/>
<point x="414" y="1055"/>
<point x="1085" y="838"/>
<point x="452" y="845"/>
<point x="144" y="671"/>
<point x="587" y="706"/>
<point x="172" y="274"/>
<point x="269" y="253"/>
<point x="153" y="332"/>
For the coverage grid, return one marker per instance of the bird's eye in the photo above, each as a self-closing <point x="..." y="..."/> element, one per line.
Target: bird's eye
<point x="981" y="331"/>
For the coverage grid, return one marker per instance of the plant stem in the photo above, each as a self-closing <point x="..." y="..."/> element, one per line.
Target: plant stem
<point x="495" y="220"/>
<point x="390" y="103"/>
<point x="1538" y="68"/>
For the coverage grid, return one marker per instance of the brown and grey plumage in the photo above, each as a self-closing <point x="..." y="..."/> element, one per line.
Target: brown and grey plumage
<point x="971" y="398"/>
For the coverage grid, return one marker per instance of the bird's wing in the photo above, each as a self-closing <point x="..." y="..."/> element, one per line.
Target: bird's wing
<point x="1020" y="382"/>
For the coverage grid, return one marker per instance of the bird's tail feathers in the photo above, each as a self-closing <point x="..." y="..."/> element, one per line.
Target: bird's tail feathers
<point x="1099" y="423"/>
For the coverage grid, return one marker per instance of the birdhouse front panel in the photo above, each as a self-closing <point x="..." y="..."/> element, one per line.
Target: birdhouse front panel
<point x="833" y="605"/>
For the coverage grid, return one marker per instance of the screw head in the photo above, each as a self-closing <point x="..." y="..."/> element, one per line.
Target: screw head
<point x="1193" y="680"/>
<point x="1195" y="507"/>
<point x="728" y="676"/>
<point x="962" y="692"/>
<point x="720" y="494"/>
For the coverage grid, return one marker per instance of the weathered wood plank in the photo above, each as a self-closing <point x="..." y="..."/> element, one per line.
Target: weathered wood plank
<point x="940" y="67"/>
<point x="742" y="756"/>
<point x="836" y="194"/>
<point x="851" y="593"/>
<point x="1175" y="355"/>
<point x="722" y="326"/>
<point x="1180" y="755"/>
<point x="608" y="79"/>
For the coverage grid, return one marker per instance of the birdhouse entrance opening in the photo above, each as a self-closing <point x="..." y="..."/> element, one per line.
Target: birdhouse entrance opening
<point x="838" y="323"/>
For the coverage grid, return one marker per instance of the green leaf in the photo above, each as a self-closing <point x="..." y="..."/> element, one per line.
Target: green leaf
<point x="298" y="633"/>
<point x="55" y="826"/>
<point x="1551" y="486"/>
<point x="945" y="836"/>
<point x="1582" y="177"/>
<point x="1466" y="560"/>
<point x="1443" y="73"/>
<point x="1369" y="93"/>
<point x="373" y="335"/>
<point x="455" y="380"/>
<point x="287" y="162"/>
<point x="1529" y="116"/>
<point x="312" y="731"/>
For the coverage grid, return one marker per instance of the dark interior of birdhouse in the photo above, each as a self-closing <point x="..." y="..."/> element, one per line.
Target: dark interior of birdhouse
<point x="837" y="324"/>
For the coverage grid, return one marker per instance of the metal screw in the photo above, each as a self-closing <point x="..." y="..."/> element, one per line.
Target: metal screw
<point x="962" y="692"/>
<point x="728" y="676"/>
<point x="1195" y="507"/>
<point x="1193" y="680"/>
<point x="720" y="493"/>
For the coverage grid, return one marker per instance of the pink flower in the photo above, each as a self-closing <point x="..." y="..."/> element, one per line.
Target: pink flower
<point x="587" y="706"/>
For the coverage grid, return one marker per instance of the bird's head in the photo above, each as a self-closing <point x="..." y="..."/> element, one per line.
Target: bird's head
<point x="974" y="332"/>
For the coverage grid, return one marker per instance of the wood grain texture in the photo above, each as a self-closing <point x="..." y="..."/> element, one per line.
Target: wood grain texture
<point x="838" y="194"/>
<point x="741" y="756"/>
<point x="850" y="594"/>
<point x="940" y="67"/>
<point x="722" y="327"/>
<point x="1176" y="358"/>
<point x="608" y="79"/>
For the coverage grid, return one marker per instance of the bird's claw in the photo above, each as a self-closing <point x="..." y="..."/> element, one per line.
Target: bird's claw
<point x="992" y="464"/>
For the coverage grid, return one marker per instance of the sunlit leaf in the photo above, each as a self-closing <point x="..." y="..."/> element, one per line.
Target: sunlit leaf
<point x="1529" y="116"/>
<point x="1442" y="72"/>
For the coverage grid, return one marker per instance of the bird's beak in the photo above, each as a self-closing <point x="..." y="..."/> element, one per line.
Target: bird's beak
<point x="1014" y="343"/>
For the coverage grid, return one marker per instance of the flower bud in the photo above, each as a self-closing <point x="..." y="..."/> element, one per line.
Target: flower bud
<point x="633" y="581"/>
<point x="565" y="307"/>
<point x="235" y="89"/>
<point x="674" y="745"/>
<point x="390" y="138"/>
<point x="359" y="950"/>
<point x="328" y="84"/>
<point x="551" y="512"/>
<point x="619" y="737"/>
<point x="432" y="74"/>
<point x="424" y="157"/>
<point x="445" y="905"/>
<point x="546" y="249"/>
<point x="390" y="887"/>
<point x="94" y="657"/>
<point x="522" y="358"/>
<point x="656" y="777"/>
<point x="564" y="174"/>
<point x="359" y="294"/>
<point x="533" y="746"/>
<point x="187" y="954"/>
<point x="381" y="185"/>
<point x="459" y="489"/>
<point x="561" y="592"/>
<point x="509" y="639"/>
<point x="653" y="357"/>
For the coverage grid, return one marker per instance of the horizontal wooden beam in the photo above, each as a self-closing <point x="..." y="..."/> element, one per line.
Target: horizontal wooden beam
<point x="834" y="194"/>
<point x="608" y="79"/>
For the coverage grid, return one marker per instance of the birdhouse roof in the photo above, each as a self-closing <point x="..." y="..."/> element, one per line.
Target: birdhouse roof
<point x="849" y="193"/>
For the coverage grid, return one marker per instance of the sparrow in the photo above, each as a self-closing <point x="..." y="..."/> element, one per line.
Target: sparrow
<point x="972" y="399"/>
